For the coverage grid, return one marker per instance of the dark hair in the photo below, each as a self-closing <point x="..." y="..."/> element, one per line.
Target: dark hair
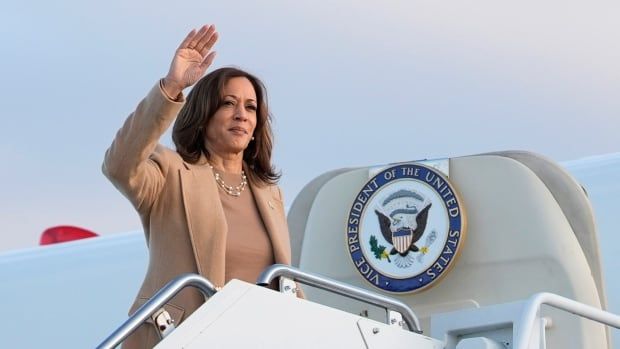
<point x="202" y="102"/>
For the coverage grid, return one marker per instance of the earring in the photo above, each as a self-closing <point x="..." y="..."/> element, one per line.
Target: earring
<point x="252" y="138"/>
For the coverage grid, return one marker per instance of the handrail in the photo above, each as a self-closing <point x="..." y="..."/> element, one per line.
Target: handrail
<point x="155" y="303"/>
<point x="278" y="270"/>
<point x="524" y="331"/>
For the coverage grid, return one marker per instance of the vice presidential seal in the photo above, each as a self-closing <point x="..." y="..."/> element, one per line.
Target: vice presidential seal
<point x="405" y="228"/>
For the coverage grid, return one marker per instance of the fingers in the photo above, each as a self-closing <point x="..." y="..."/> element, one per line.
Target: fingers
<point x="201" y="41"/>
<point x="207" y="41"/>
<point x="187" y="39"/>
<point x="209" y="44"/>
<point x="207" y="61"/>
<point x="196" y="38"/>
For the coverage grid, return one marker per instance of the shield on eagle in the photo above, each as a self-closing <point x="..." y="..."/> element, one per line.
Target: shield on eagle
<point x="402" y="239"/>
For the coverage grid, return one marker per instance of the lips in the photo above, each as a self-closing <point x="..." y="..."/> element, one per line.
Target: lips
<point x="238" y="130"/>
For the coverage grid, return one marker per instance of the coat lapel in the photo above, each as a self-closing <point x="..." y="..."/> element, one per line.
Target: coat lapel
<point x="272" y="213"/>
<point x="205" y="220"/>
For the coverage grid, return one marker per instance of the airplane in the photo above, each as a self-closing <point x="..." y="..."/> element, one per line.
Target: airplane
<point x="517" y="231"/>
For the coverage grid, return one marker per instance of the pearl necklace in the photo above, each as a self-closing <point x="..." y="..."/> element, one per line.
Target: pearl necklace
<point x="229" y="189"/>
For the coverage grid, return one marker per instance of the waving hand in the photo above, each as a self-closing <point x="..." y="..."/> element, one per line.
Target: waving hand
<point x="191" y="60"/>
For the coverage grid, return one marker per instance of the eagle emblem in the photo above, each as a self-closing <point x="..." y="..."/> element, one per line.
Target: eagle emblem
<point x="402" y="236"/>
<point x="405" y="227"/>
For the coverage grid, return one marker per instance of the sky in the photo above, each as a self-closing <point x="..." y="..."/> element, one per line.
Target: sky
<point x="350" y="83"/>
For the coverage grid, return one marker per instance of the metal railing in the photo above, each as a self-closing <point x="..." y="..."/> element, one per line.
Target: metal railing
<point x="522" y="337"/>
<point x="155" y="303"/>
<point x="390" y="304"/>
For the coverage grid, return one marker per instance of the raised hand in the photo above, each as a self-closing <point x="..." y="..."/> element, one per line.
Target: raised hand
<point x="191" y="60"/>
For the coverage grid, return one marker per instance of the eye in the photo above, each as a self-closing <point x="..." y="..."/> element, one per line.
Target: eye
<point x="228" y="102"/>
<point x="251" y="107"/>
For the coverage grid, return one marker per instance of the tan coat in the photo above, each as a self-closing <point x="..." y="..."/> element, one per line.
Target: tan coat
<point x="179" y="206"/>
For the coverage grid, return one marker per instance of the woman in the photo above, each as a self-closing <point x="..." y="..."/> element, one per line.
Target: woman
<point x="210" y="207"/>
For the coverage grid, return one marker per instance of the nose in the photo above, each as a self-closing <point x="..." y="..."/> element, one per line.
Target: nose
<point x="240" y="113"/>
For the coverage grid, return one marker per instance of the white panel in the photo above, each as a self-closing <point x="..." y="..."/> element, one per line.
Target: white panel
<point x="393" y="337"/>
<point x="243" y="315"/>
<point x="479" y="343"/>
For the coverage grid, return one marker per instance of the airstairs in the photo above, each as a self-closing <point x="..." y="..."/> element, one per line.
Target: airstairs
<point x="508" y="257"/>
<point x="242" y="315"/>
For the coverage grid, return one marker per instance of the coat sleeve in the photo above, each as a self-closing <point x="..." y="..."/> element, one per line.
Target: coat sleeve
<point x="135" y="163"/>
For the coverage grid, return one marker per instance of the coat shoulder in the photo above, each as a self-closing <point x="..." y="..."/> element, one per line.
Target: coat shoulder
<point x="167" y="157"/>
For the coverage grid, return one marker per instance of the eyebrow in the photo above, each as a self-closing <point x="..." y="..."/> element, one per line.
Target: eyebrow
<point x="235" y="97"/>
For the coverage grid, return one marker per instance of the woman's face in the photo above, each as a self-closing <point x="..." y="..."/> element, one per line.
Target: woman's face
<point x="230" y="129"/>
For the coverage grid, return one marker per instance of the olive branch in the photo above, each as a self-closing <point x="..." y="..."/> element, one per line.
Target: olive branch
<point x="378" y="250"/>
